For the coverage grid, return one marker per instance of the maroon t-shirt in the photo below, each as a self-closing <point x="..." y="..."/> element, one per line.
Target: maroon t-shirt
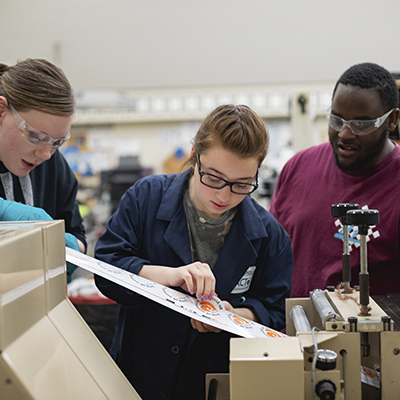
<point x="307" y="187"/>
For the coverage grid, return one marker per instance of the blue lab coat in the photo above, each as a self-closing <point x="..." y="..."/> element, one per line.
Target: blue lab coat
<point x="155" y="347"/>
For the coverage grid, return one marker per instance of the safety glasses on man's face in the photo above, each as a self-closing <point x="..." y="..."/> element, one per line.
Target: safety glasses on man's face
<point x="33" y="136"/>
<point x="357" y="126"/>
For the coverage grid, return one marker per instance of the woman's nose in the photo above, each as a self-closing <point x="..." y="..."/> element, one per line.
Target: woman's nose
<point x="44" y="152"/>
<point x="225" y="193"/>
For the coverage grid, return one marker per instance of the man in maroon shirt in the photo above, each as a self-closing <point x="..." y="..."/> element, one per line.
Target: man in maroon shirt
<point x="359" y="165"/>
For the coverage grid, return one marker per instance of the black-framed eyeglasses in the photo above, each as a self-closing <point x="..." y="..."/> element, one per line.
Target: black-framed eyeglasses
<point x="215" y="182"/>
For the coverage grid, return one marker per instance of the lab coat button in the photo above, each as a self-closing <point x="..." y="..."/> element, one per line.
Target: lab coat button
<point x="175" y="349"/>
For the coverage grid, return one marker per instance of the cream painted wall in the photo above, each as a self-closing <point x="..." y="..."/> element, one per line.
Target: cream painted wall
<point x="152" y="44"/>
<point x="137" y="43"/>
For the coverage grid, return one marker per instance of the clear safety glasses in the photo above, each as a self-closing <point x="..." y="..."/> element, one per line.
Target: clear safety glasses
<point x="214" y="182"/>
<point x="357" y="126"/>
<point x="33" y="136"/>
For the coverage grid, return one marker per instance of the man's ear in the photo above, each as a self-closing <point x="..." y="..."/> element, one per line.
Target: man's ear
<point x="3" y="107"/>
<point x="394" y="119"/>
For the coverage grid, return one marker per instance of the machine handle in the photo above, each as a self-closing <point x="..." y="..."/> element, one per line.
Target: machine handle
<point x="212" y="390"/>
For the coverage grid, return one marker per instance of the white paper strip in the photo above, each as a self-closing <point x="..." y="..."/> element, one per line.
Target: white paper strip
<point x="370" y="377"/>
<point x="211" y="312"/>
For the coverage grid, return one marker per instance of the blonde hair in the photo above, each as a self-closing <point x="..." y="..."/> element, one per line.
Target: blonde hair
<point x="37" y="84"/>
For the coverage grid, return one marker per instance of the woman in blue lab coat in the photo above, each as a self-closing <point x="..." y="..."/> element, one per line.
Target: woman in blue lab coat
<point x="201" y="232"/>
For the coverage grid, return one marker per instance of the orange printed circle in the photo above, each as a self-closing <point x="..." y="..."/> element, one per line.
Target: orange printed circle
<point x="270" y="333"/>
<point x="239" y="320"/>
<point x="371" y="374"/>
<point x="207" y="306"/>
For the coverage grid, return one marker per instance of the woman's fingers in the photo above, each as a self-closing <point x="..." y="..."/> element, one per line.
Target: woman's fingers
<point x="202" y="327"/>
<point x="197" y="278"/>
<point x="228" y="306"/>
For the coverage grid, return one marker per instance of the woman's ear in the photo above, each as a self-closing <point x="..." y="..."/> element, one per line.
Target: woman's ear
<point x="3" y="107"/>
<point x="192" y="152"/>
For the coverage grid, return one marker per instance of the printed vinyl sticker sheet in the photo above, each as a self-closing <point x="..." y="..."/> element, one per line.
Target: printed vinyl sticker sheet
<point x="211" y="312"/>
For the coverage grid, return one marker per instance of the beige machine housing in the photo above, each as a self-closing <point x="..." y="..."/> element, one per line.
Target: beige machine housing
<point x="281" y="368"/>
<point x="47" y="351"/>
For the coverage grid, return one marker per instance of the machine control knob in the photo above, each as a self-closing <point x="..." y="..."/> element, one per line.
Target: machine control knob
<point x="353" y="323"/>
<point x="340" y="210"/>
<point x="326" y="390"/>
<point x="363" y="217"/>
<point x="326" y="359"/>
<point x="386" y="322"/>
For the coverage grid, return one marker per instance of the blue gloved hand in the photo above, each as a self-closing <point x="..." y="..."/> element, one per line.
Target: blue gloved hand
<point x="13" y="211"/>
<point x="71" y="242"/>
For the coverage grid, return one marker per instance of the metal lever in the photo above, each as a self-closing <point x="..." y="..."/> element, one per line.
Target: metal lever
<point x="340" y="211"/>
<point x="363" y="219"/>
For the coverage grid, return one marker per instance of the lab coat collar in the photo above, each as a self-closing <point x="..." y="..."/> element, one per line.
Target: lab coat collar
<point x="246" y="228"/>
<point x="171" y="209"/>
<point x="172" y="199"/>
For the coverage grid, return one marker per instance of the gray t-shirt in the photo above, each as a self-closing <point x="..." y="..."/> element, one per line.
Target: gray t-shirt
<point x="207" y="235"/>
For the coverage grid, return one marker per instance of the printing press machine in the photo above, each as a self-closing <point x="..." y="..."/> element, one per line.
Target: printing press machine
<point x="341" y="343"/>
<point x="47" y="351"/>
<point x="357" y="357"/>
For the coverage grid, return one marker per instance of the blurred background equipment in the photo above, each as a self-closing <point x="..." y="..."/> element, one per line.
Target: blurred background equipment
<point x="117" y="181"/>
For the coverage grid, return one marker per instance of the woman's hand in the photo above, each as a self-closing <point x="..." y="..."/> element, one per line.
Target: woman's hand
<point x="196" y="278"/>
<point x="204" y="328"/>
<point x="241" y="311"/>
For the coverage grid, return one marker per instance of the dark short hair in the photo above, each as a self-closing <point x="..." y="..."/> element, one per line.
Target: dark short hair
<point x="372" y="76"/>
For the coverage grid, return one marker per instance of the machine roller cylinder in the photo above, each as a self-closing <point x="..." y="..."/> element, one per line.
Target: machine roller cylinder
<point x="323" y="307"/>
<point x="300" y="320"/>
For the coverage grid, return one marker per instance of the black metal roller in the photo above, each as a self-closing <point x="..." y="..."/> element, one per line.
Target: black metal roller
<point x="363" y="217"/>
<point x="339" y="210"/>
